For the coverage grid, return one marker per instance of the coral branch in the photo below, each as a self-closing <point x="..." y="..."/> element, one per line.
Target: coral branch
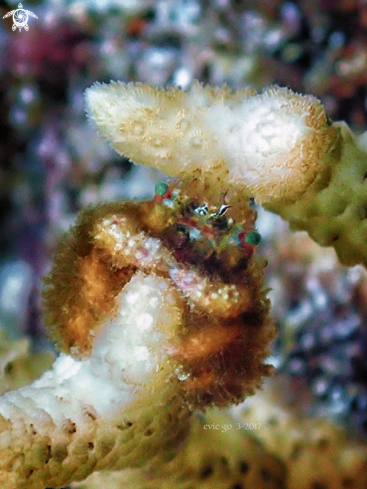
<point x="317" y="451"/>
<point x="270" y="145"/>
<point x="113" y="409"/>
<point x="216" y="455"/>
<point x="333" y="210"/>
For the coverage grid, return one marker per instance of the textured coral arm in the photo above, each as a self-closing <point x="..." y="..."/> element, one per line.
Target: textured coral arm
<point x="269" y="145"/>
<point x="122" y="412"/>
<point x="333" y="210"/>
<point x="216" y="455"/>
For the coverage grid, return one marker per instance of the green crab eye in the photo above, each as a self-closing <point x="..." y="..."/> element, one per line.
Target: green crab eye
<point x="161" y="189"/>
<point x="252" y="238"/>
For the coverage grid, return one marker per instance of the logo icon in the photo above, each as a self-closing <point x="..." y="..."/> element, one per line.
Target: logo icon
<point x="20" y="18"/>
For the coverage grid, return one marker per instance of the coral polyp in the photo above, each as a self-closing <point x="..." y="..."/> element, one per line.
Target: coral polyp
<point x="221" y="347"/>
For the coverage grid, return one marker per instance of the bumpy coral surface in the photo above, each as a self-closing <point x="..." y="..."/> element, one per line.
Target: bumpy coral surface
<point x="333" y="210"/>
<point x="317" y="452"/>
<point x="217" y="455"/>
<point x="267" y="145"/>
<point x="111" y="410"/>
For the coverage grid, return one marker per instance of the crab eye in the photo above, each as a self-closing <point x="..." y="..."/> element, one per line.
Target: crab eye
<point x="253" y="238"/>
<point x="223" y="209"/>
<point x="162" y="190"/>
<point x="202" y="210"/>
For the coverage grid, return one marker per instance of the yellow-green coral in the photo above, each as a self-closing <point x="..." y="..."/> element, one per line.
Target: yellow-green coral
<point x="216" y="455"/>
<point x="316" y="451"/>
<point x="333" y="210"/>
<point x="100" y="412"/>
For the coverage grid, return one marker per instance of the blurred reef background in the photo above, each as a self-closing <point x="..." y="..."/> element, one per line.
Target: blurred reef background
<point x="52" y="162"/>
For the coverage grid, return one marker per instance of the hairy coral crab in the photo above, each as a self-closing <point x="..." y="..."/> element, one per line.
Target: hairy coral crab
<point x="220" y="350"/>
